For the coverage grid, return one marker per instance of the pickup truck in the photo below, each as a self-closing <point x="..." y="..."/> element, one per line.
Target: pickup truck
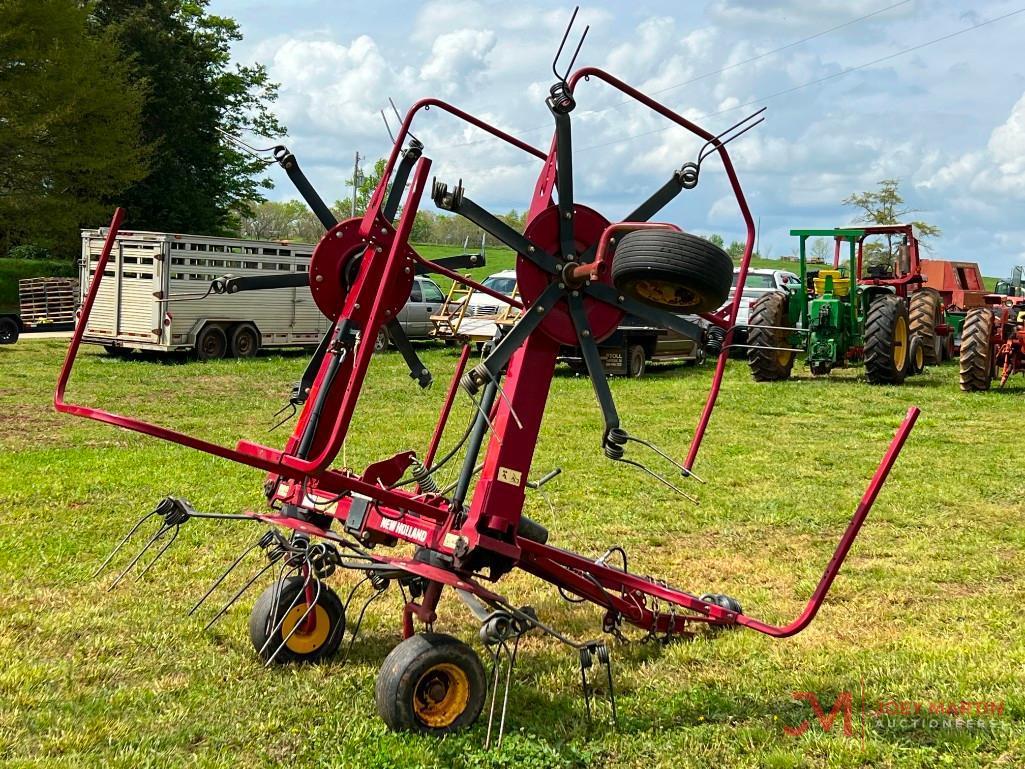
<point x="10" y="324"/>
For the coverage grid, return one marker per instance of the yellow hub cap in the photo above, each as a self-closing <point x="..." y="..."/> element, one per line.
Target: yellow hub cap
<point x="900" y="343"/>
<point x="441" y="695"/>
<point x="305" y="641"/>
<point x="668" y="294"/>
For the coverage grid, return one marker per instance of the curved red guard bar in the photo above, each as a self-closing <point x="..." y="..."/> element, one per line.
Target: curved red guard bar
<point x="377" y="199"/>
<point x="860" y="514"/>
<point x="720" y="368"/>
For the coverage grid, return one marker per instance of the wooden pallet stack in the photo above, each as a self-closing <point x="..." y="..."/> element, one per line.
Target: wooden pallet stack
<point x="45" y="301"/>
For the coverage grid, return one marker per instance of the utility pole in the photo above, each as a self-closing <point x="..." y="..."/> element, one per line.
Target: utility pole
<point x="357" y="177"/>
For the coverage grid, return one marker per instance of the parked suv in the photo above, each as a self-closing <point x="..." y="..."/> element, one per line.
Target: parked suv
<point x="425" y="299"/>
<point x="758" y="283"/>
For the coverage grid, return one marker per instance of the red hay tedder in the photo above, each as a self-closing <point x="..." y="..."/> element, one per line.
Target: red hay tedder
<point x="579" y="275"/>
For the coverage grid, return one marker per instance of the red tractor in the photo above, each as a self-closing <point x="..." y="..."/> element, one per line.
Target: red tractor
<point x="992" y="345"/>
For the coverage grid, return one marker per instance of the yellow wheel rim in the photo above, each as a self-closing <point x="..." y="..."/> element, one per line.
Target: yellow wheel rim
<point x="900" y="343"/>
<point x="305" y="641"/>
<point x="441" y="695"/>
<point x="920" y="358"/>
<point x="783" y="357"/>
<point x="664" y="293"/>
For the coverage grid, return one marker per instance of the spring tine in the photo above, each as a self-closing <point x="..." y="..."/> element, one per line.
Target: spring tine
<point x="508" y="681"/>
<point x="387" y="127"/>
<point x="717" y="141"/>
<point x="223" y="576"/>
<point x="160" y="532"/>
<point x="359" y="619"/>
<point x="122" y="543"/>
<point x="159" y="555"/>
<point x="508" y="403"/>
<point x="569" y="69"/>
<point x="234" y="598"/>
<point x="565" y="36"/>
<point x="487" y="419"/>
<point x="658" y="477"/>
<point x="309" y="610"/>
<point x="277" y="626"/>
<point x="495" y="655"/>
<point x="687" y="473"/>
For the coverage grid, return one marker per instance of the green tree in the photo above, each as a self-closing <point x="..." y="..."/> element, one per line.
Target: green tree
<point x="716" y="240"/>
<point x="198" y="181"/>
<point x="70" y="134"/>
<point x="885" y="205"/>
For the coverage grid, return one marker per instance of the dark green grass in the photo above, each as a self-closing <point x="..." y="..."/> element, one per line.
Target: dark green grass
<point x="13" y="270"/>
<point x="927" y="608"/>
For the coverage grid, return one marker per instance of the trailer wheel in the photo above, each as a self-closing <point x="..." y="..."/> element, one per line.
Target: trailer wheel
<point x="245" y="341"/>
<point x="925" y="313"/>
<point x="636" y="361"/>
<point x="321" y="641"/>
<point x="887" y="340"/>
<point x="211" y="344"/>
<point x="977" y="350"/>
<point x="9" y="331"/>
<point x="430" y="683"/>
<point x="765" y="330"/>
<point x="382" y="340"/>
<point x="673" y="271"/>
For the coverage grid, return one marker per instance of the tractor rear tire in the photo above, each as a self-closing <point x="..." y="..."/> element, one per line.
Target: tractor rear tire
<point x="977" y="350"/>
<point x="887" y="340"/>
<point x="925" y="312"/>
<point x="769" y="310"/>
<point x="673" y="271"/>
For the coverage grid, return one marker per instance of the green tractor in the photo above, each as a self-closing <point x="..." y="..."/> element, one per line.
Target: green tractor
<point x="838" y="318"/>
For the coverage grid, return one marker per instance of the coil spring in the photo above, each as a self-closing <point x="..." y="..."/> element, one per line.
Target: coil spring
<point x="377" y="580"/>
<point x="614" y="443"/>
<point x="714" y="341"/>
<point x="474" y="378"/>
<point x="422" y="475"/>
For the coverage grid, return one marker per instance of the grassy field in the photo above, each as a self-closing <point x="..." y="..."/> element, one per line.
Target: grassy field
<point x="927" y="608"/>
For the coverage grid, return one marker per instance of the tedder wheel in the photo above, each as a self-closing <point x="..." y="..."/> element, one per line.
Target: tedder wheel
<point x="925" y="313"/>
<point x="887" y="340"/>
<point x="431" y="683"/>
<point x="8" y="331"/>
<point x="673" y="271"/>
<point x="211" y="344"/>
<point x="381" y="343"/>
<point x="245" y="342"/>
<point x="768" y="315"/>
<point x="305" y="644"/>
<point x="977" y="350"/>
<point x="636" y="361"/>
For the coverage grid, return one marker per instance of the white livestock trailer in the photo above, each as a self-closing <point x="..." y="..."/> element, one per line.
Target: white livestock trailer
<point x="155" y="295"/>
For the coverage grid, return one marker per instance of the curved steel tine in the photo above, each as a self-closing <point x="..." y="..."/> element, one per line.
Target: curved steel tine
<point x="278" y="625"/>
<point x="309" y="609"/>
<point x="508" y="681"/>
<point x="387" y="127"/>
<point x="565" y="36"/>
<point x="254" y="151"/>
<point x="487" y="419"/>
<point x="234" y="598"/>
<point x="687" y="473"/>
<point x="658" y="477"/>
<point x="717" y="141"/>
<point x="160" y="532"/>
<point x="224" y="575"/>
<point x="359" y="620"/>
<point x="398" y="117"/>
<point x="569" y="69"/>
<point x="159" y="555"/>
<point x="122" y="543"/>
<point x="508" y="403"/>
<point x="499" y="648"/>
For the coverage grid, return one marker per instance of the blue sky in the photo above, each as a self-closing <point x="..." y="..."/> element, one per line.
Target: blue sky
<point x="947" y="119"/>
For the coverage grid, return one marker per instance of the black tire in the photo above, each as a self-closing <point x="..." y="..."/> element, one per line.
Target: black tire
<point x="382" y="341"/>
<point x="768" y="311"/>
<point x="211" y="344"/>
<point x="532" y="530"/>
<point x="925" y="313"/>
<point x="887" y="340"/>
<point x="977" y="350"/>
<point x="114" y="352"/>
<point x="321" y="642"/>
<point x="673" y="271"/>
<point x="636" y="361"/>
<point x="9" y="330"/>
<point x="245" y="341"/>
<point x="430" y="683"/>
